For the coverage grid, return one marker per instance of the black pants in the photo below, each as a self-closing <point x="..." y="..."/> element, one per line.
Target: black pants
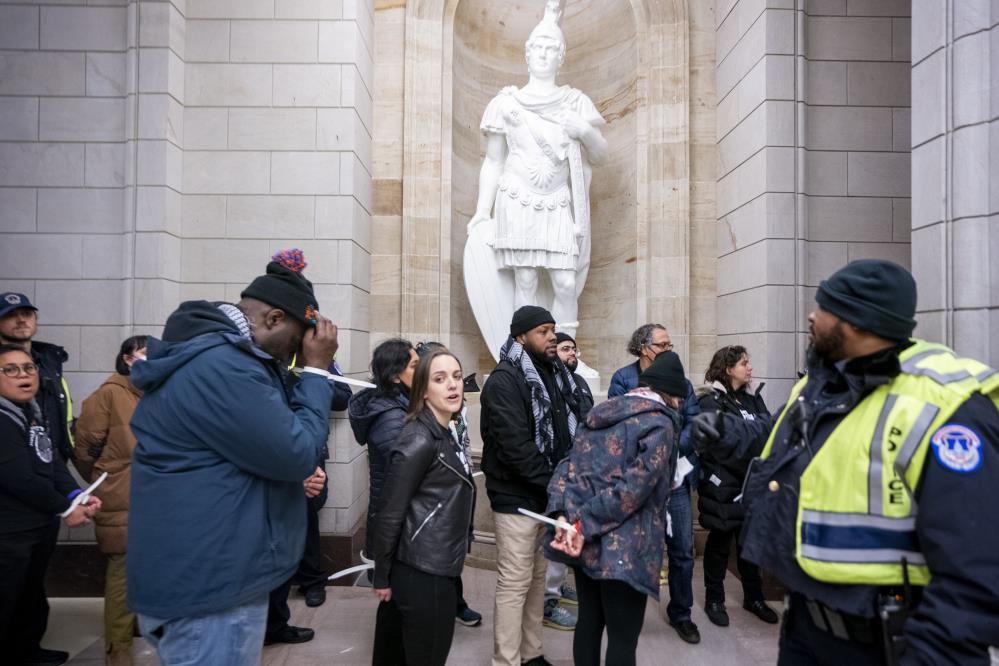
<point x="612" y="604"/>
<point x="309" y="571"/>
<point x="459" y="590"/>
<point x="24" y="610"/>
<point x="804" y="644"/>
<point x="417" y="625"/>
<point x="716" y="563"/>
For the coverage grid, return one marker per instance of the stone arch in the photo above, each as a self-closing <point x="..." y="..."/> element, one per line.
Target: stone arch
<point x="657" y="259"/>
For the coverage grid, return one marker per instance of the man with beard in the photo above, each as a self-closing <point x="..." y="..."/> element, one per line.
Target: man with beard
<point x="556" y="588"/>
<point x="18" y="326"/>
<point x="527" y="428"/>
<point x="568" y="352"/>
<point x="875" y="499"/>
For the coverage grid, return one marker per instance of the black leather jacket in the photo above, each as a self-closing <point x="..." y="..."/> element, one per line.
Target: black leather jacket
<point x="425" y="508"/>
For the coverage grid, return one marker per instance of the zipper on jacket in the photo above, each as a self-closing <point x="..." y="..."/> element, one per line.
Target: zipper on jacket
<point x="464" y="477"/>
<point x="425" y="521"/>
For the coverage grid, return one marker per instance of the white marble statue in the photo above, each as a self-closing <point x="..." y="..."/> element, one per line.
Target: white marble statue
<point x="529" y="240"/>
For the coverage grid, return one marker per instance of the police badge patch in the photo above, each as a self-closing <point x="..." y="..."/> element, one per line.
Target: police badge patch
<point x="958" y="448"/>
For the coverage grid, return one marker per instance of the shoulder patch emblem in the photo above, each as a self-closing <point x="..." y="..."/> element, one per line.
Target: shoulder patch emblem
<point x="958" y="448"/>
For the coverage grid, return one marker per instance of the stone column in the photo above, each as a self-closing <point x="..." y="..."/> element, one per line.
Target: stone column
<point x="955" y="173"/>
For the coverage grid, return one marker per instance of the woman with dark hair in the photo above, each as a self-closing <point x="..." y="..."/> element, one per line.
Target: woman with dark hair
<point x="104" y="443"/>
<point x="744" y="423"/>
<point x="377" y="414"/>
<point x="459" y="428"/>
<point x="424" y="516"/>
<point x="35" y="489"/>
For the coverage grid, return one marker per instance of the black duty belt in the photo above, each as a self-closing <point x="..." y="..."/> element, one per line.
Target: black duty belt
<point x="845" y="626"/>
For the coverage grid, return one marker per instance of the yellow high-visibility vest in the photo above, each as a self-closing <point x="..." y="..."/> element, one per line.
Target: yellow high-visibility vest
<point x="856" y="515"/>
<point x="69" y="412"/>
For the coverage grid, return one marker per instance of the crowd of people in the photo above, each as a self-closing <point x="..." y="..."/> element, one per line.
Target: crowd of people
<point x="871" y="495"/>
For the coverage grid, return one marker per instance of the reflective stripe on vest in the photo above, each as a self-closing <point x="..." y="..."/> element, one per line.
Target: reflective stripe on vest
<point x="859" y="537"/>
<point x="876" y="483"/>
<point x="69" y="412"/>
<point x="856" y="512"/>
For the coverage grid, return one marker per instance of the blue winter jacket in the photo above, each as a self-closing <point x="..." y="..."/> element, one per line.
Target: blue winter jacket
<point x="217" y="506"/>
<point x="625" y="379"/>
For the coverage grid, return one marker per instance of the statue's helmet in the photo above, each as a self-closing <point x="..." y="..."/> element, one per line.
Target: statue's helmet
<point x="548" y="27"/>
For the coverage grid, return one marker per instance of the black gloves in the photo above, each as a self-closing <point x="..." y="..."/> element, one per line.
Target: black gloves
<point x="706" y="428"/>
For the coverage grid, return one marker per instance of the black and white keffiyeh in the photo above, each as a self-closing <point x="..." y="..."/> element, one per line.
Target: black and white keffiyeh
<point x="541" y="403"/>
<point x="237" y="317"/>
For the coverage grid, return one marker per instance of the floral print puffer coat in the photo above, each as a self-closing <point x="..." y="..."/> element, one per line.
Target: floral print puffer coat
<point x="616" y="483"/>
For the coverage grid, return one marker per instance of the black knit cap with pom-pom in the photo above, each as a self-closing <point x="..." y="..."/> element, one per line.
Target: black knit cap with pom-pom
<point x="285" y="287"/>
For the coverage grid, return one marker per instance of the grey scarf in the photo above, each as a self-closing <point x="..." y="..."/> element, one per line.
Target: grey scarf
<point x="541" y="403"/>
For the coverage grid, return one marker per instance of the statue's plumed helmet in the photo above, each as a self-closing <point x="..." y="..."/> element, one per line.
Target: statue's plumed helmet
<point x="548" y="27"/>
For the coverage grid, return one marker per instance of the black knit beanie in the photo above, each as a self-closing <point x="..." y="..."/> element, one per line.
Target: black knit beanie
<point x="874" y="295"/>
<point x="561" y="337"/>
<point x="665" y="375"/>
<point x="285" y="287"/>
<point x="528" y="317"/>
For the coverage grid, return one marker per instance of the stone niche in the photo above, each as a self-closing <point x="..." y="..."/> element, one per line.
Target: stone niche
<point x="631" y="58"/>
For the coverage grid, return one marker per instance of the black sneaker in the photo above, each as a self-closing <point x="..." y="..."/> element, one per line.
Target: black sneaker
<point x="762" y="611"/>
<point x="715" y="610"/>
<point x="289" y="634"/>
<point x="468" y="617"/>
<point x="687" y="631"/>
<point x="47" y="657"/>
<point x="315" y="595"/>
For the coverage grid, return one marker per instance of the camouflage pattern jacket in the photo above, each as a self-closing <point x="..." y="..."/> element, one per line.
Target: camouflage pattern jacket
<point x="616" y="483"/>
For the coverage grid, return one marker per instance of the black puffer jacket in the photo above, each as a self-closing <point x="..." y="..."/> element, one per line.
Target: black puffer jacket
<point x="746" y="426"/>
<point x="426" y="504"/>
<point x="376" y="420"/>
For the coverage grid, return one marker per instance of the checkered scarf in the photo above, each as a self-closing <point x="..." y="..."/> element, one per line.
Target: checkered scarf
<point x="541" y="403"/>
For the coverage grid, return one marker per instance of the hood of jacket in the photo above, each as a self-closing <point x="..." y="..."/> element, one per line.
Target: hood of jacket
<point x="54" y="355"/>
<point x="365" y="408"/>
<point x="193" y="328"/>
<point x="611" y="412"/>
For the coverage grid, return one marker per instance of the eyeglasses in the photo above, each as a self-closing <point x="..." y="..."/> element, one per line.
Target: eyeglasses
<point x="14" y="370"/>
<point x="662" y="346"/>
<point x="569" y="350"/>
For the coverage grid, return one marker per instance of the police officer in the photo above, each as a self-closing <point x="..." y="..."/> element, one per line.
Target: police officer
<point x="18" y="325"/>
<point x="876" y="498"/>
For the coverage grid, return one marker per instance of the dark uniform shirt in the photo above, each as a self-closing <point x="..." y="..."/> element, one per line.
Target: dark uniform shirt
<point x="958" y="617"/>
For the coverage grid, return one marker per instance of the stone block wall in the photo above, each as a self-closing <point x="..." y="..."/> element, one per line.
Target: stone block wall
<point x="158" y="151"/>
<point x="955" y="173"/>
<point x="813" y="162"/>
<point x="756" y="171"/>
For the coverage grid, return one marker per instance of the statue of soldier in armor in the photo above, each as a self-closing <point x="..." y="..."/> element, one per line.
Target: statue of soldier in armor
<point x="533" y="201"/>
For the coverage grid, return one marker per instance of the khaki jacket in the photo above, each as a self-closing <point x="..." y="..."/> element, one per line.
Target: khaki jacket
<point x="104" y="443"/>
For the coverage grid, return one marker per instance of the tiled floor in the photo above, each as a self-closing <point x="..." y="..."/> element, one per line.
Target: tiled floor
<point x="345" y="626"/>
